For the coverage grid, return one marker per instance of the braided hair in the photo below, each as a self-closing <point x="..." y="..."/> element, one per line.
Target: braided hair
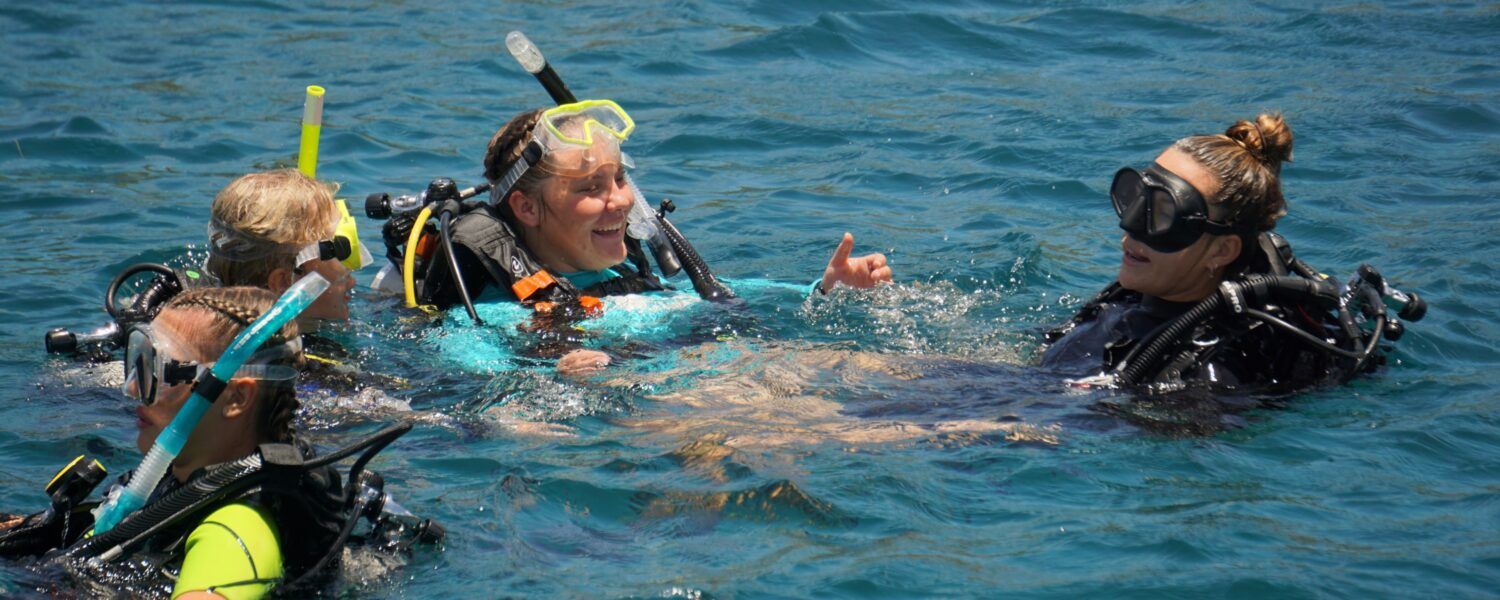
<point x="230" y="311"/>
<point x="505" y="149"/>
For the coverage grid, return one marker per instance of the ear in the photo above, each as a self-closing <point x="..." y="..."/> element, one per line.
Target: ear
<point x="1225" y="250"/>
<point x="280" y="279"/>
<point x="525" y="208"/>
<point x="238" y="400"/>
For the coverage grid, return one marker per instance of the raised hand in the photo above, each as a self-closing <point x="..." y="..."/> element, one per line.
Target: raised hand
<point x="863" y="272"/>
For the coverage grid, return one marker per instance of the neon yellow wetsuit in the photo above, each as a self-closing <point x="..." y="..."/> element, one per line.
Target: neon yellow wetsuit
<point x="233" y="553"/>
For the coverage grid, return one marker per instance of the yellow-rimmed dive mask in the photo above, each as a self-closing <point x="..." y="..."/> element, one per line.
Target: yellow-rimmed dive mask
<point x="344" y="246"/>
<point x="572" y="140"/>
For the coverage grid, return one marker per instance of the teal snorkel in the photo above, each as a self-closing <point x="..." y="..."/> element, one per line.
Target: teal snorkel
<point x="206" y="390"/>
<point x="671" y="250"/>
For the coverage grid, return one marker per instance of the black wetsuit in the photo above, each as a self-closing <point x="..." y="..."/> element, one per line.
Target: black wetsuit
<point x="1226" y="351"/>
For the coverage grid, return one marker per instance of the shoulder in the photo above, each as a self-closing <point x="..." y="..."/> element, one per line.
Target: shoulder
<point x="234" y="552"/>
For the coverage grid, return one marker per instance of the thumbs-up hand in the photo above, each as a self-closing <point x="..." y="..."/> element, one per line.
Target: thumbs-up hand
<point x="863" y="272"/>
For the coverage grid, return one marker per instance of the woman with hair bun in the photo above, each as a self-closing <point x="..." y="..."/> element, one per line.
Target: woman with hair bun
<point x="1198" y="217"/>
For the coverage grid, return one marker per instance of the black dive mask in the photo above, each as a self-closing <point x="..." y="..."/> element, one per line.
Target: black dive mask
<point x="1161" y="210"/>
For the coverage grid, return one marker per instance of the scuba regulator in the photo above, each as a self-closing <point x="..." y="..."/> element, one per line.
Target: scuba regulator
<point x="98" y="343"/>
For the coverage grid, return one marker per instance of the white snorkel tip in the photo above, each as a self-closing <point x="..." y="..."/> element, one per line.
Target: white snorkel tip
<point x="525" y="52"/>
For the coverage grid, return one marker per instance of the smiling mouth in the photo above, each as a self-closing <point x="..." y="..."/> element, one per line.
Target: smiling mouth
<point x="1131" y="256"/>
<point x="611" y="230"/>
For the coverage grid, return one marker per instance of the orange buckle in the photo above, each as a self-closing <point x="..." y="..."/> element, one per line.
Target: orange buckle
<point x="591" y="305"/>
<point x="538" y="281"/>
<point x="426" y="244"/>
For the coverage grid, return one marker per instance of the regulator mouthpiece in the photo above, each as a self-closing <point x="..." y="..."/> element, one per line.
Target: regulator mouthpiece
<point x="525" y="52"/>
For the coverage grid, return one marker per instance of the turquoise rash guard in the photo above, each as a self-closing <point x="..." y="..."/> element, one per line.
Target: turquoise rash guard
<point x="651" y="317"/>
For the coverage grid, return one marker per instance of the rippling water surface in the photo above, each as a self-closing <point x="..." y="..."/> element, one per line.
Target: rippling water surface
<point x="894" y="443"/>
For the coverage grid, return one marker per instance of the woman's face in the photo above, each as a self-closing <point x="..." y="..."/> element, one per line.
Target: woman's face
<point x="151" y="420"/>
<point x="1186" y="275"/>
<point x="215" y="431"/>
<point x="582" y="224"/>
<point x="333" y="305"/>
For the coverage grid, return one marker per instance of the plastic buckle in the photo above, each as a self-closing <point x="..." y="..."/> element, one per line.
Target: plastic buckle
<point x="529" y="286"/>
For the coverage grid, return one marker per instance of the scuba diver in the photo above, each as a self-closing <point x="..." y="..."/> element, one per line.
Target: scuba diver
<point x="244" y="507"/>
<point x="553" y="236"/>
<point x="268" y="230"/>
<point x="1208" y="294"/>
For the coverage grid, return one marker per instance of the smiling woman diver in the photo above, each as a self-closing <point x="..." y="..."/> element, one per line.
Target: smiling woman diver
<point x="554" y="231"/>
<point x="1206" y="293"/>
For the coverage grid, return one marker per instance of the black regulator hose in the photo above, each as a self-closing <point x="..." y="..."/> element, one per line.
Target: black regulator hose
<point x="444" y="192"/>
<point x="445" y="220"/>
<point x="1258" y="290"/>
<point x="704" y="282"/>
<point x="130" y="271"/>
<point x="220" y="483"/>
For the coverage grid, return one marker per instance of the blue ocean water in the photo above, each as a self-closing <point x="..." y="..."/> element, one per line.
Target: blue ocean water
<point x="894" y="443"/>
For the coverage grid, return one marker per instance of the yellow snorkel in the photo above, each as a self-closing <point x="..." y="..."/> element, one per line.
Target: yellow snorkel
<point x="307" y="163"/>
<point x="312" y="127"/>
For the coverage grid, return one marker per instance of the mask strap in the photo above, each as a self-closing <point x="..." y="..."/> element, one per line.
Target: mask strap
<point x="529" y="157"/>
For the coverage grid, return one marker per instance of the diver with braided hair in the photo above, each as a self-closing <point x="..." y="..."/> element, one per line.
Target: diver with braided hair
<point x="554" y="230"/>
<point x="1206" y="292"/>
<point x="236" y="552"/>
<point x="243" y="544"/>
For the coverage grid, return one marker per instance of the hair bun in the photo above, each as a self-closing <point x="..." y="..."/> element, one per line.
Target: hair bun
<point x="1268" y="138"/>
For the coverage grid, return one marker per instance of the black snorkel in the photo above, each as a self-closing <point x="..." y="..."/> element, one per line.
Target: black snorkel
<point x="672" y="251"/>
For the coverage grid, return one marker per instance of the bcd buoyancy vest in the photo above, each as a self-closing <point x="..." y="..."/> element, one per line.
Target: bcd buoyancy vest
<point x="485" y="243"/>
<point x="311" y="508"/>
<point x="1203" y="344"/>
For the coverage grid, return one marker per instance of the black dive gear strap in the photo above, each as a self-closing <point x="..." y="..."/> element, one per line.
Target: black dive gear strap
<point x="1162" y="210"/>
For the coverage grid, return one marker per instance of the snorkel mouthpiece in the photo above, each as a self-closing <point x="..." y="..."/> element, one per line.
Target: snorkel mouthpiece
<point x="525" y="52"/>
<point x="169" y="443"/>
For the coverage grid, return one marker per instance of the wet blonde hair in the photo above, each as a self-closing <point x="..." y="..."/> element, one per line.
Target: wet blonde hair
<point x="278" y="211"/>
<point x="1246" y="159"/>
<point x="229" y="310"/>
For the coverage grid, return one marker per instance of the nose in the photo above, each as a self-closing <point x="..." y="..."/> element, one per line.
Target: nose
<point x="620" y="196"/>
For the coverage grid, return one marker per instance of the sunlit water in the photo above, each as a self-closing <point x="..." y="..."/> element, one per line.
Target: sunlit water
<point x="895" y="443"/>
